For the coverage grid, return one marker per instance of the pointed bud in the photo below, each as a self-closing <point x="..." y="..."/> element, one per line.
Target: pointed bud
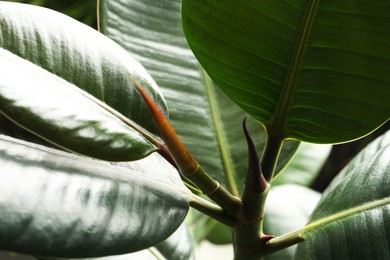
<point x="182" y="157"/>
<point x="255" y="181"/>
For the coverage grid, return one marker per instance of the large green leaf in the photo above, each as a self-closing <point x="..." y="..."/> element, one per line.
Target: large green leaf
<point x="207" y="121"/>
<point x="178" y="246"/>
<point x="352" y="220"/>
<point x="79" y="55"/>
<point x="146" y="254"/>
<point x="311" y="70"/>
<point x="65" y="115"/>
<point x="57" y="204"/>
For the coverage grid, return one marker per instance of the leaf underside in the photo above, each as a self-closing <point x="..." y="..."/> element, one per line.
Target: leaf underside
<point x="311" y="70"/>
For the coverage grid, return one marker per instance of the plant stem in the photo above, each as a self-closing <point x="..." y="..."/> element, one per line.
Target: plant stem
<point x="270" y="156"/>
<point x="247" y="242"/>
<point x="98" y="15"/>
<point x="282" y="242"/>
<point x="215" y="191"/>
<point x="212" y="210"/>
<point x="271" y="246"/>
<point x="248" y="234"/>
<point x="187" y="164"/>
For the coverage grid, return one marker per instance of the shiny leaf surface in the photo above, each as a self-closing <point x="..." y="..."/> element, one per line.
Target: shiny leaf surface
<point x="63" y="114"/>
<point x="206" y="120"/>
<point x="178" y="246"/>
<point x="79" y="55"/>
<point x="352" y="219"/>
<point x="316" y="71"/>
<point x="146" y="254"/>
<point x="58" y="204"/>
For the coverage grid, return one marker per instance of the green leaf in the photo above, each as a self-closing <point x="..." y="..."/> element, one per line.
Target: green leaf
<point x="206" y="120"/>
<point x="79" y="55"/>
<point x="178" y="246"/>
<point x="62" y="205"/>
<point x="7" y="127"/>
<point x="288" y="208"/>
<point x="146" y="254"/>
<point x="63" y="114"/>
<point x="352" y="220"/>
<point x="305" y="165"/>
<point x="316" y="71"/>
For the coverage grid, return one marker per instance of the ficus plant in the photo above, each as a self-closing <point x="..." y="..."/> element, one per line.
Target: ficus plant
<point x="102" y="157"/>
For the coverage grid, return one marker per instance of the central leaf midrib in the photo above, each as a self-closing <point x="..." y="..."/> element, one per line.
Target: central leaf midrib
<point x="297" y="235"/>
<point x="347" y="213"/>
<point x="221" y="137"/>
<point x="278" y="122"/>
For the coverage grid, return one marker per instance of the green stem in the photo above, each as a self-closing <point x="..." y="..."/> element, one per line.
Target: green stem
<point x="186" y="163"/>
<point x="248" y="234"/>
<point x="282" y="242"/>
<point x="98" y="15"/>
<point x="210" y="187"/>
<point x="270" y="156"/>
<point x="249" y="240"/>
<point x="155" y="253"/>
<point x="212" y="210"/>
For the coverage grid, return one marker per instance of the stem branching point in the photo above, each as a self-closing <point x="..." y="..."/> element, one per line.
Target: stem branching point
<point x="186" y="163"/>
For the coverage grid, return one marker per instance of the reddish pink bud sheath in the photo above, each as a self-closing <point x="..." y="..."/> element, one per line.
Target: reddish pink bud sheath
<point x="182" y="157"/>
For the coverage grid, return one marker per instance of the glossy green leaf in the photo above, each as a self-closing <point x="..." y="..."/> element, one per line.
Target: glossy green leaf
<point x="316" y="71"/>
<point x="7" y="127"/>
<point x="288" y="208"/>
<point x="207" y="121"/>
<point x="63" y="114"/>
<point x="79" y="55"/>
<point x="178" y="246"/>
<point x="352" y="220"/>
<point x="58" y="204"/>
<point x="304" y="166"/>
<point x="146" y="254"/>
